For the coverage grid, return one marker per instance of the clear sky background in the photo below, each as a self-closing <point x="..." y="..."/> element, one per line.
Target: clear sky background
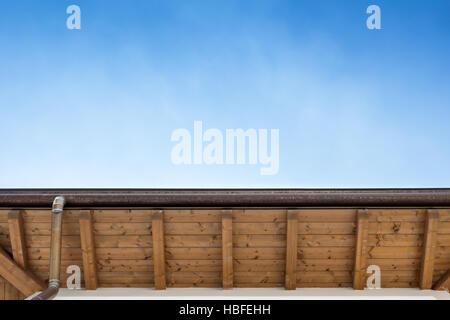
<point x="96" y="107"/>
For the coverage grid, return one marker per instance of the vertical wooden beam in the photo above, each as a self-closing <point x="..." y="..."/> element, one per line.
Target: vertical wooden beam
<point x="88" y="250"/>
<point x="158" y="249"/>
<point x="19" y="250"/>
<point x="444" y="282"/>
<point x="429" y="249"/>
<point x="227" y="249"/>
<point x="291" y="250"/>
<point x="360" y="262"/>
<point x="17" y="237"/>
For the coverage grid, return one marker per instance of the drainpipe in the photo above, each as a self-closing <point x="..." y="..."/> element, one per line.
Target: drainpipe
<point x="55" y="251"/>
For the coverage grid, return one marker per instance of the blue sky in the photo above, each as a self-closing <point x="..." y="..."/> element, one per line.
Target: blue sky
<point x="96" y="107"/>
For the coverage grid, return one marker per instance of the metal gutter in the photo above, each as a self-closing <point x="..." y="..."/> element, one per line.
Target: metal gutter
<point x="36" y="198"/>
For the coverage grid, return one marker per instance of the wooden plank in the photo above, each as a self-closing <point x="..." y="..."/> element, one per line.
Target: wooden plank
<point x="325" y="277"/>
<point x="327" y="228"/>
<point x="193" y="241"/>
<point x="307" y="265"/>
<point x="88" y="250"/>
<point x="329" y="215"/>
<point x="327" y="240"/>
<point x="192" y="228"/>
<point x="395" y="240"/>
<point x="397" y="215"/>
<point x="73" y="229"/>
<point x="189" y="216"/>
<point x="23" y="280"/>
<point x="43" y="265"/>
<point x="118" y="265"/>
<point x="261" y="277"/>
<point x="11" y="293"/>
<point x="260" y="285"/>
<point x="443" y="283"/>
<point x="259" y="253"/>
<point x="259" y="241"/>
<point x="275" y="253"/>
<point x="290" y="281"/>
<point x="359" y="270"/>
<point x="197" y="241"/>
<point x="429" y="249"/>
<point x="259" y="228"/>
<point x="444" y="227"/>
<point x="125" y="277"/>
<point x="398" y="284"/>
<point x="44" y="229"/>
<point x="2" y="289"/>
<point x="400" y="276"/>
<point x="194" y="265"/>
<point x="324" y="284"/>
<point x="227" y="249"/>
<point x="101" y="253"/>
<point x="259" y="265"/>
<point x="44" y="242"/>
<point x="158" y="249"/>
<point x="18" y="249"/>
<point x="4" y="215"/>
<point x="17" y="237"/>
<point x="326" y="253"/>
<point x="394" y="252"/>
<point x="396" y="227"/>
<point x="194" y="278"/>
<point x="443" y="240"/>
<point x="395" y="264"/>
<point x="259" y="215"/>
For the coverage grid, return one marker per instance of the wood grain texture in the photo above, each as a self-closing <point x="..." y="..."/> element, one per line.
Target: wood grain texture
<point x="359" y="270"/>
<point x="18" y="249"/>
<point x="193" y="241"/>
<point x="23" y="280"/>
<point x="227" y="249"/>
<point x="17" y="236"/>
<point x="158" y="250"/>
<point x="429" y="249"/>
<point x="443" y="283"/>
<point x="2" y="289"/>
<point x="291" y="250"/>
<point x="88" y="250"/>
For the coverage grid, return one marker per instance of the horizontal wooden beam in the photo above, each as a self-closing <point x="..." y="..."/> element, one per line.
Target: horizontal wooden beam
<point x="23" y="280"/>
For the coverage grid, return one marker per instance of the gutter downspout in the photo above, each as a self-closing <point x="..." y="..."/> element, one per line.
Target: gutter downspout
<point x="55" y="251"/>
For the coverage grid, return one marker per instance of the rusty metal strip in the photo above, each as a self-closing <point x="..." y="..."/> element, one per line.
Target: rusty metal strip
<point x="16" y="198"/>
